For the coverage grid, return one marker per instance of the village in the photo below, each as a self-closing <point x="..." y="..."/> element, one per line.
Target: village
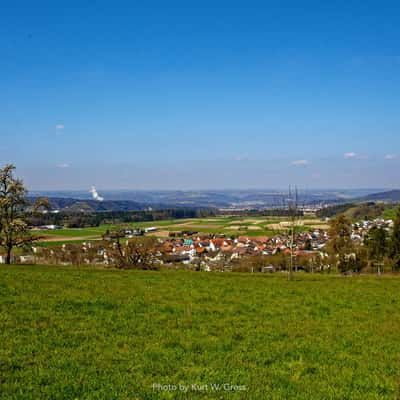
<point x="204" y="251"/>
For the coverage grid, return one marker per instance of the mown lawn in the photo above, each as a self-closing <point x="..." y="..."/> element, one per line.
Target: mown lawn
<point x="69" y="333"/>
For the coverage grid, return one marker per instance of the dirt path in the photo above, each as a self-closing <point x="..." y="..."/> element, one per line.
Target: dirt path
<point x="58" y="238"/>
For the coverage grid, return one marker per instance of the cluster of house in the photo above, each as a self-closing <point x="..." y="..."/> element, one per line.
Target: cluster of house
<point x="130" y="233"/>
<point x="203" y="249"/>
<point x="216" y="247"/>
<point x="361" y="229"/>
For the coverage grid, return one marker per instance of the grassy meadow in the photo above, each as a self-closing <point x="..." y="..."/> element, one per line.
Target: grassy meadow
<point x="81" y="333"/>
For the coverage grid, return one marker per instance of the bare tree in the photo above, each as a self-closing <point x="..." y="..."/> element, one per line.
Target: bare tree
<point x="41" y="204"/>
<point x="139" y="252"/>
<point x="14" y="231"/>
<point x="340" y="245"/>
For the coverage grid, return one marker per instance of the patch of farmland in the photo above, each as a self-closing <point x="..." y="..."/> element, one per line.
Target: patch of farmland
<point x="67" y="238"/>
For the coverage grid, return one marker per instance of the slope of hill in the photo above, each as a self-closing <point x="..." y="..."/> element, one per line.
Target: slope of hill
<point x="389" y="196"/>
<point x="360" y="211"/>
<point x="365" y="211"/>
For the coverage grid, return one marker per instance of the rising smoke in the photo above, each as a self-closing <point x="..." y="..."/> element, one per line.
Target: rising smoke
<point x="95" y="195"/>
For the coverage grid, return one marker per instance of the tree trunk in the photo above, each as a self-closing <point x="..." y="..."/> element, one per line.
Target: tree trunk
<point x="8" y="255"/>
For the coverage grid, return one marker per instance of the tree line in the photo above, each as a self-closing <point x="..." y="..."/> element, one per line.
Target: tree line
<point x="378" y="249"/>
<point x="93" y="219"/>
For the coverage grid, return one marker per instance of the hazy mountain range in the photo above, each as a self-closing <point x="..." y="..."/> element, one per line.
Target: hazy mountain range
<point x="388" y="196"/>
<point x="125" y="200"/>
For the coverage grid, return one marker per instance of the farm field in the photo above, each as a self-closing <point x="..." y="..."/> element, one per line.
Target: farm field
<point x="82" y="333"/>
<point x="231" y="226"/>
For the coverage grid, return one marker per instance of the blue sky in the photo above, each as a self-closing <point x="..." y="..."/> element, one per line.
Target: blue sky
<point x="209" y="94"/>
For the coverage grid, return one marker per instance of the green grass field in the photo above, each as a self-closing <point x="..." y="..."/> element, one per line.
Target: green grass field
<point x="230" y="226"/>
<point x="80" y="333"/>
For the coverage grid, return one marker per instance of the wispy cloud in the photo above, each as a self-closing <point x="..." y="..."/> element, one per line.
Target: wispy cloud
<point x="350" y="154"/>
<point x="63" y="165"/>
<point x="300" y="162"/>
<point x="59" y="126"/>
<point x="390" y="157"/>
<point x="241" y="158"/>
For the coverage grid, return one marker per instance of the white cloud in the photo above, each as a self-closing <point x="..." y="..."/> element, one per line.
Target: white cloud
<point x="299" y="162"/>
<point x="63" y="165"/>
<point x="390" y="157"/>
<point x="59" y="126"/>
<point x="355" y="156"/>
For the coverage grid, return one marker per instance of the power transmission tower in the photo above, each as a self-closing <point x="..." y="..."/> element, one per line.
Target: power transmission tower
<point x="293" y="212"/>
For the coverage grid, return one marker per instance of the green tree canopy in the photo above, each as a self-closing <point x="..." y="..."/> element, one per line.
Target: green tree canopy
<point x="376" y="243"/>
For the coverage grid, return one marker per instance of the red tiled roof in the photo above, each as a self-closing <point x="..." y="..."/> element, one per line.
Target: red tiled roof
<point x="179" y="249"/>
<point x="262" y="239"/>
<point x="227" y="248"/>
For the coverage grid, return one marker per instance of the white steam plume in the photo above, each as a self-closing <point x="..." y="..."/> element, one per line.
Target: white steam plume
<point x="95" y="195"/>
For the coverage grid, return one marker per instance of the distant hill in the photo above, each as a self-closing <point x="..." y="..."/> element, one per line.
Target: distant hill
<point x="71" y="205"/>
<point x="79" y="205"/>
<point x="365" y="211"/>
<point x="333" y="210"/>
<point x="358" y="211"/>
<point x="389" y="196"/>
<point x="206" y="199"/>
<point x="222" y="199"/>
